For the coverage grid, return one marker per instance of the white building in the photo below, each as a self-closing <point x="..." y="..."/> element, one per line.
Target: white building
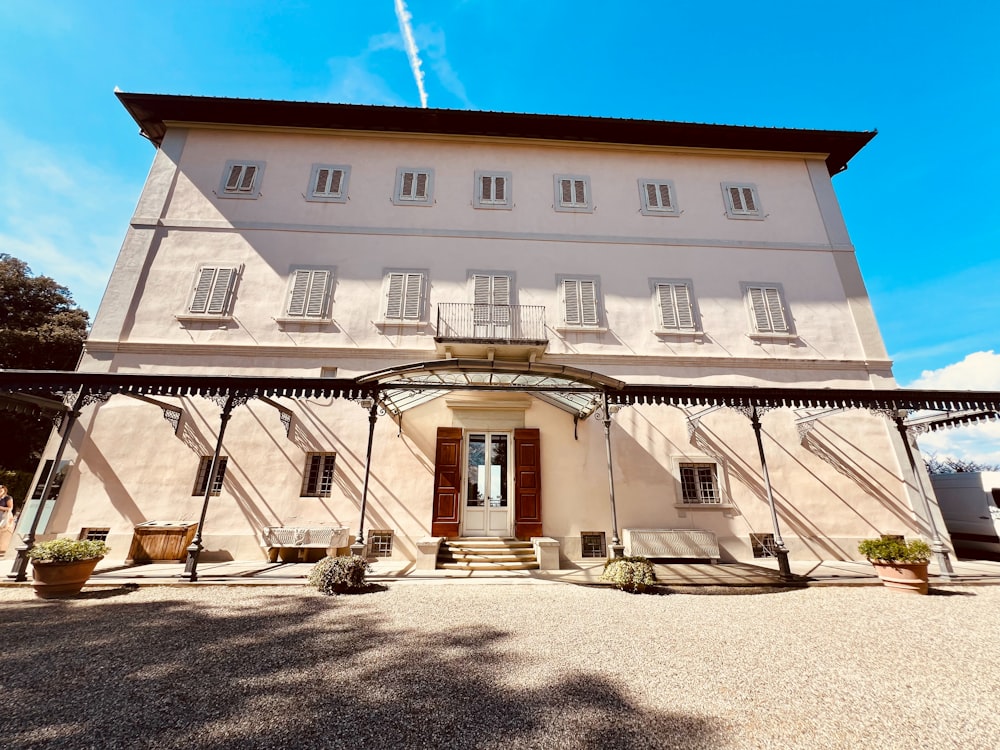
<point x="527" y="264"/>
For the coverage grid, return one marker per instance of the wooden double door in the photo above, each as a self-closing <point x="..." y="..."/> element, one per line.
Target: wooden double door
<point x="487" y="483"/>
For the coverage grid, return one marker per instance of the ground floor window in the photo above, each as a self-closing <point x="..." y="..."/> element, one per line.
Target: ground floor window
<point x="592" y="544"/>
<point x="317" y="479"/>
<point x="380" y="543"/>
<point x="700" y="484"/>
<point x="763" y="545"/>
<point x="95" y="534"/>
<point x="204" y="466"/>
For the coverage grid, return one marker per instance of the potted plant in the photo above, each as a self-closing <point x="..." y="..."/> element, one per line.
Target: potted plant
<point x="60" y="567"/>
<point x="901" y="565"/>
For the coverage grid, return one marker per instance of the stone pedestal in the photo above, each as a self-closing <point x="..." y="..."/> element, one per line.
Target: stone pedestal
<point x="546" y="552"/>
<point x="427" y="552"/>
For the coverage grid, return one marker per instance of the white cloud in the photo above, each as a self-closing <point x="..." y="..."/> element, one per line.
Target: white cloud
<point x="432" y="41"/>
<point x="979" y="371"/>
<point x="62" y="215"/>
<point x="406" y="29"/>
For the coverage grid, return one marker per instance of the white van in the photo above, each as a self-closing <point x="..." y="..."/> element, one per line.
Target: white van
<point x="970" y="505"/>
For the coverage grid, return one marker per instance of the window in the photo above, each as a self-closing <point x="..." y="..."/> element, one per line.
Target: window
<point x="404" y="296"/>
<point x="657" y="198"/>
<point x="492" y="190"/>
<point x="241" y="179"/>
<point x="328" y="183"/>
<point x="201" y="482"/>
<point x="573" y="193"/>
<point x="699" y="484"/>
<point x="380" y="543"/>
<point x="213" y="290"/>
<point x="674" y="305"/>
<point x="767" y="308"/>
<point x="317" y="479"/>
<point x="308" y="293"/>
<point x="580" y="302"/>
<point x="57" y="480"/>
<point x="95" y="535"/>
<point x="414" y="187"/>
<point x="763" y="545"/>
<point x="592" y="544"/>
<point x="741" y="201"/>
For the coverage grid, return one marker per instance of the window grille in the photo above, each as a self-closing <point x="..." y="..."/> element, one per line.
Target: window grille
<point x="380" y="543"/>
<point x="699" y="485"/>
<point x="201" y="483"/>
<point x="763" y="545"/>
<point x="94" y="534"/>
<point x="592" y="544"/>
<point x="317" y="480"/>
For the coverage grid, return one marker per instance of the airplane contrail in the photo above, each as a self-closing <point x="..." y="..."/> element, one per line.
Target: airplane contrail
<point x="411" y="48"/>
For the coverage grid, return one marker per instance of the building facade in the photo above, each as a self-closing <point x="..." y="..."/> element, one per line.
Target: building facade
<point x="522" y="264"/>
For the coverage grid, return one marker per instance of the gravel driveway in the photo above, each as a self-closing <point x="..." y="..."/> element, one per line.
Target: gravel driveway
<point x="465" y="665"/>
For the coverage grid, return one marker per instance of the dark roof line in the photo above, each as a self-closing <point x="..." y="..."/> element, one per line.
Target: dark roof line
<point x="152" y="111"/>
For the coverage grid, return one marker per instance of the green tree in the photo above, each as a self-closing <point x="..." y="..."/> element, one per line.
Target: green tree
<point x="41" y="328"/>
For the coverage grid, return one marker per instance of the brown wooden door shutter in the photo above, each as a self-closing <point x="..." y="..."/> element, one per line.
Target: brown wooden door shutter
<point x="447" y="482"/>
<point x="528" y="484"/>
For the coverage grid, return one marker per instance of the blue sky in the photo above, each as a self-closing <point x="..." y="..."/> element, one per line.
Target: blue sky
<point x="920" y="200"/>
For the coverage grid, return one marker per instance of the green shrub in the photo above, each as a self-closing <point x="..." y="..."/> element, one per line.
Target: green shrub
<point x="337" y="575"/>
<point x="632" y="574"/>
<point x="68" y="550"/>
<point x="890" y="550"/>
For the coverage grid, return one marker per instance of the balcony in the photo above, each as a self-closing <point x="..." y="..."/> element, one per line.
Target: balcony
<point x="472" y="330"/>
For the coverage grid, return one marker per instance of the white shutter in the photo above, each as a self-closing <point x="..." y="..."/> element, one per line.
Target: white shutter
<point x="246" y="183"/>
<point x="566" y="189"/>
<point x="486" y="189"/>
<point x="406" y="189"/>
<point x="336" y="179"/>
<point x="571" y="292"/>
<point x="736" y="200"/>
<point x="233" y="180"/>
<point x="299" y="293"/>
<point x="317" y="294"/>
<point x="501" y="290"/>
<point x="202" y="290"/>
<point x="651" y="195"/>
<point x="775" y="309"/>
<point x="759" y="308"/>
<point x="500" y="189"/>
<point x="668" y="313"/>
<point x="411" y="298"/>
<point x="322" y="176"/>
<point x="218" y="301"/>
<point x="580" y="192"/>
<point x="749" y="205"/>
<point x="588" y="300"/>
<point x="394" y="304"/>
<point x="421" y="191"/>
<point x="665" y="200"/>
<point x="482" y="289"/>
<point x="685" y="311"/>
<point x="212" y="290"/>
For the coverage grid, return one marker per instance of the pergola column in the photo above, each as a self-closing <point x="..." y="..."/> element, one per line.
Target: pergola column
<point x="938" y="548"/>
<point x="195" y="548"/>
<point x="19" y="571"/>
<point x="779" y="543"/>
<point x="617" y="549"/>
<point x="358" y="548"/>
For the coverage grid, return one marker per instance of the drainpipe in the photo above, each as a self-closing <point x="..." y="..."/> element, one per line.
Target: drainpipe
<point x="358" y="548"/>
<point x="779" y="543"/>
<point x="617" y="548"/>
<point x="19" y="571"/>
<point x="938" y="548"/>
<point x="194" y="550"/>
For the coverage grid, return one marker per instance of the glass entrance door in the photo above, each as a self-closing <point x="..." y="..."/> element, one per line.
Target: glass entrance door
<point x="487" y="507"/>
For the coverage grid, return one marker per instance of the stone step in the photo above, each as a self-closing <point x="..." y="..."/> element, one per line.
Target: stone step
<point x="487" y="566"/>
<point x="460" y="557"/>
<point x="486" y="553"/>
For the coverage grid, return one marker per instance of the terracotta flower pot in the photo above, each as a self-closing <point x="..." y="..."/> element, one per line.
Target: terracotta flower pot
<point x="53" y="580"/>
<point x="909" y="578"/>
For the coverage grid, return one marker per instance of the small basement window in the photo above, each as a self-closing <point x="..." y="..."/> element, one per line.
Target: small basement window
<point x="95" y="534"/>
<point x="592" y="544"/>
<point x="763" y="545"/>
<point x="380" y="543"/>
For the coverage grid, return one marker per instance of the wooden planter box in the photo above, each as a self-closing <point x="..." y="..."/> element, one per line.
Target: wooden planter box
<point x="160" y="542"/>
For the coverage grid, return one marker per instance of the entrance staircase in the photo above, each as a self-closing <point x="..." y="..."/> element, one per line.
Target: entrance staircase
<point x="486" y="554"/>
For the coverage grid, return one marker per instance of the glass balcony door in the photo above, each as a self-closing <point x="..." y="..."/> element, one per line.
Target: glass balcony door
<point x="487" y="503"/>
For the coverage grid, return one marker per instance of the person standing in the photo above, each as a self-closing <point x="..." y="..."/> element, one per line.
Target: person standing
<point x="6" y="518"/>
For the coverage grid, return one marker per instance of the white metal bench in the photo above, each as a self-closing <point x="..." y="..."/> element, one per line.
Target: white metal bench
<point x="276" y="538"/>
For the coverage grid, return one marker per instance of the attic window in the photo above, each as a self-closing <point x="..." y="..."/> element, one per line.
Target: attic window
<point x="241" y="179"/>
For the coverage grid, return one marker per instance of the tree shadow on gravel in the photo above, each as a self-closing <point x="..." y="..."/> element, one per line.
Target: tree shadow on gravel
<point x="308" y="671"/>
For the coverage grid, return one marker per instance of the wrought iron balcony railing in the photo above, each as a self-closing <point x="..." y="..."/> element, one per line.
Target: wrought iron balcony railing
<point x="500" y="324"/>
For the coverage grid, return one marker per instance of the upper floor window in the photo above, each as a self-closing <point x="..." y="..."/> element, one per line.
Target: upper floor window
<point x="328" y="183"/>
<point x="202" y="481"/>
<point x="580" y="307"/>
<point x="404" y="296"/>
<point x="700" y="484"/>
<point x="675" y="305"/>
<point x="492" y="190"/>
<point x="309" y="293"/>
<point x="766" y="303"/>
<point x="241" y="179"/>
<point x="317" y="479"/>
<point x="657" y="198"/>
<point x="741" y="201"/>
<point x="414" y="187"/>
<point x="573" y="193"/>
<point x="213" y="290"/>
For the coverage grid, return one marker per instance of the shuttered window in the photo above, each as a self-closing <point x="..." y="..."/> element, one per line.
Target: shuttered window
<point x="572" y="193"/>
<point x="241" y="179"/>
<point x="580" y="302"/>
<point x="741" y="201"/>
<point x="657" y="197"/>
<point x="767" y="309"/>
<point x="213" y="288"/>
<point x="317" y="479"/>
<point x="201" y="482"/>
<point x="308" y="294"/>
<point x="675" y="304"/>
<point x="492" y="190"/>
<point x="404" y="296"/>
<point x="413" y="186"/>
<point x="328" y="183"/>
